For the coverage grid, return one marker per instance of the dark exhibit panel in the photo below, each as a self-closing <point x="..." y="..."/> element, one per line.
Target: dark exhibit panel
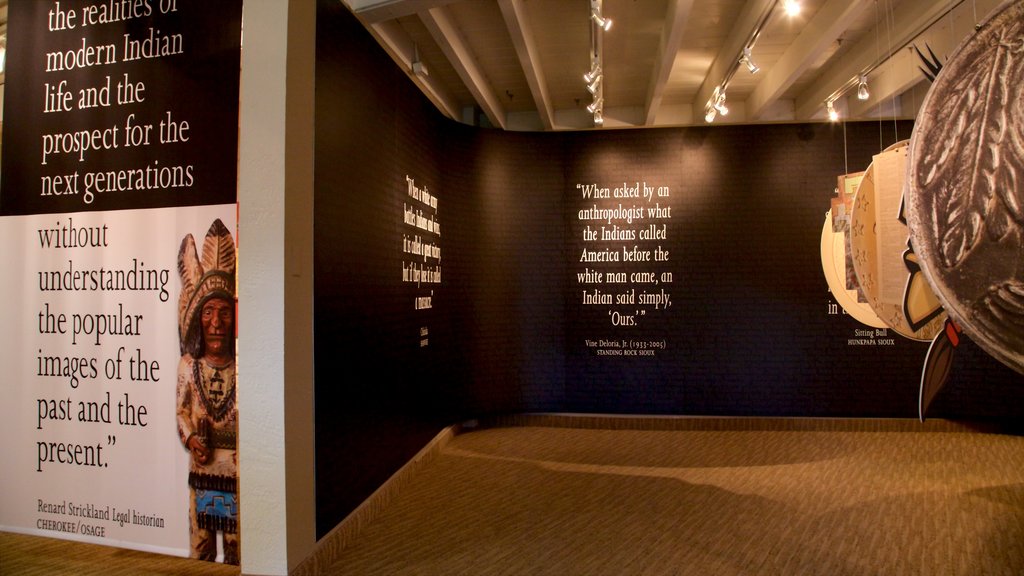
<point x="439" y="269"/>
<point x="463" y="272"/>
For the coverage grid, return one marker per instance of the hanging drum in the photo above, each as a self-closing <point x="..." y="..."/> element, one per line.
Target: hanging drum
<point x="965" y="196"/>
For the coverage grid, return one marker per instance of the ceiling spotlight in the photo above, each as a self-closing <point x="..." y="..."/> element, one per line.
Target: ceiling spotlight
<point x="593" y="86"/>
<point x="720" y="104"/>
<point x="833" y="116"/>
<point x="595" y="13"/>
<point x="418" y="67"/>
<point x="596" y="105"/>
<point x="589" y="77"/>
<point x="748" y="61"/>
<point x="709" y="114"/>
<point x="792" y="7"/>
<point x="604" y="23"/>
<point x="862" y="88"/>
<point x="598" y="118"/>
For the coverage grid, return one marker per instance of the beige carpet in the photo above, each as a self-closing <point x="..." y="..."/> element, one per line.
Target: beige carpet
<point x="662" y="496"/>
<point x="790" y="497"/>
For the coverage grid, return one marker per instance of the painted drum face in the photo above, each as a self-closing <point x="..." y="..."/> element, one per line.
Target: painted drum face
<point x="965" y="198"/>
<point x="878" y="240"/>
<point x="837" y="257"/>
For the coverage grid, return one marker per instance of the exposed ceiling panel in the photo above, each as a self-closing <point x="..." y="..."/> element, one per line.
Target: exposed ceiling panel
<point x="518" y="64"/>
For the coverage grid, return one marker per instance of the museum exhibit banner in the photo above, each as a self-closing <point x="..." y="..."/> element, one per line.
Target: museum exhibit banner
<point x="118" y="216"/>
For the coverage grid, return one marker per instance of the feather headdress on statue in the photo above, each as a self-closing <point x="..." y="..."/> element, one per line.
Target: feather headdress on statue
<point x="211" y="277"/>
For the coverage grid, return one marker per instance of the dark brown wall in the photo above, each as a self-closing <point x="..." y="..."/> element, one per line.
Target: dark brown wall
<point x="748" y="333"/>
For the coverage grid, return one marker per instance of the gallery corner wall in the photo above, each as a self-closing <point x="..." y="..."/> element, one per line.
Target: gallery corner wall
<point x="464" y="271"/>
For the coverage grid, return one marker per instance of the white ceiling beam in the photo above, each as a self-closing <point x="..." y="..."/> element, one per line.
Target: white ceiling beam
<point x="402" y="49"/>
<point x="909" y="19"/>
<point x="827" y="25"/>
<point x="729" y="53"/>
<point x="671" y="36"/>
<point x="521" y="33"/>
<point x="376" y="11"/>
<point x="443" y="29"/>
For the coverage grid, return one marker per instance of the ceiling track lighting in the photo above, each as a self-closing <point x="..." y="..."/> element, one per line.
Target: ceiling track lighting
<point x="862" y="88"/>
<point x="595" y="77"/>
<point x="830" y="108"/>
<point x="748" y="61"/>
<point x="715" y="106"/>
<point x="858" y="82"/>
<point x="595" y="13"/>
<point x="720" y="104"/>
<point x="418" y="67"/>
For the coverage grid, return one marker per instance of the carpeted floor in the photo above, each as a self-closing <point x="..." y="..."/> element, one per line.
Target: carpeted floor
<point x="688" y="496"/>
<point x="746" y="497"/>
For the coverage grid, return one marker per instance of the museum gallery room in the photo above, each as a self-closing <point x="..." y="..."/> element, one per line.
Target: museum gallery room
<point x="609" y="287"/>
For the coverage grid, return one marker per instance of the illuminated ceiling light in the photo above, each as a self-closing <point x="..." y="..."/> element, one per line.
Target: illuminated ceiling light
<point x="595" y="14"/>
<point x="595" y="84"/>
<point x="598" y="118"/>
<point x="748" y="61"/>
<point x="589" y="77"/>
<point x="596" y="105"/>
<point x="716" y="105"/>
<point x="720" y="104"/>
<point x="604" y="23"/>
<point x="792" y="7"/>
<point x="862" y="88"/>
<point x="833" y="116"/>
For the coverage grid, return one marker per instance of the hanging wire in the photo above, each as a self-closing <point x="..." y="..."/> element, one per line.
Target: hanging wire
<point x="952" y="33"/>
<point x="891" y="23"/>
<point x="846" y="153"/>
<point x="913" y="90"/>
<point x="878" y="58"/>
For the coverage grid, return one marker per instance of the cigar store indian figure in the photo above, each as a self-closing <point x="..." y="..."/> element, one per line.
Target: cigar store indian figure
<point x="206" y="411"/>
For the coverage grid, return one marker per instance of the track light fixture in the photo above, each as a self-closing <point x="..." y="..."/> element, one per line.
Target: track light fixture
<point x="715" y="106"/>
<point x="862" y="87"/>
<point x="604" y="23"/>
<point x="748" y="61"/>
<point x="595" y="13"/>
<point x="833" y="116"/>
<point x="418" y="67"/>
<point x="595" y="77"/>
<point x="720" y="104"/>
